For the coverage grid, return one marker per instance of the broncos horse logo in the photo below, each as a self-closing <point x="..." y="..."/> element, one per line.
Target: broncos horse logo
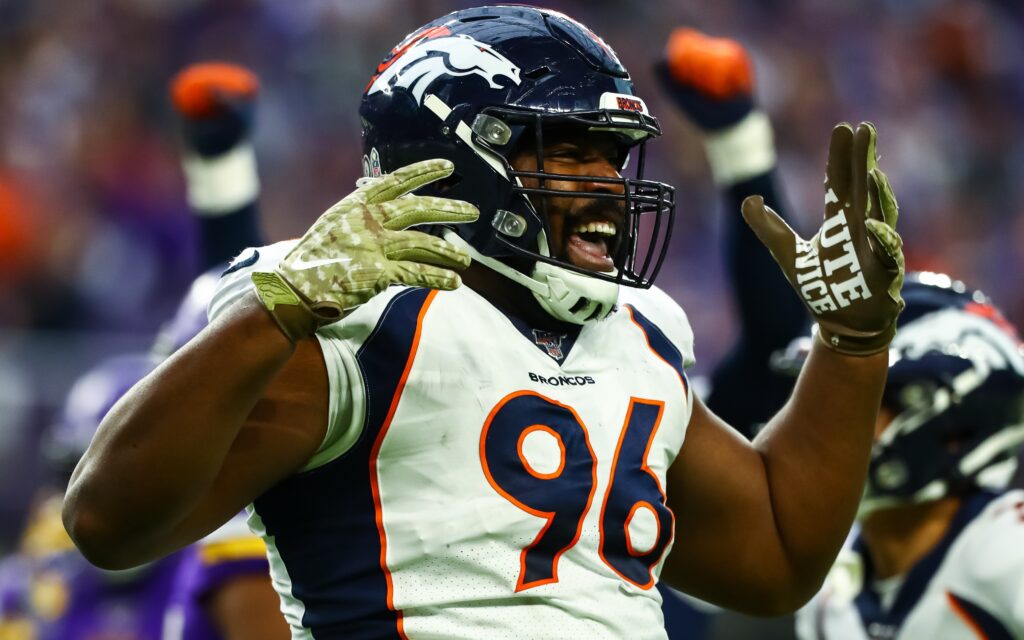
<point x="429" y="58"/>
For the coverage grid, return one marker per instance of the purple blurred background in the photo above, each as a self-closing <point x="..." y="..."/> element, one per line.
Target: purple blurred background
<point x="97" y="245"/>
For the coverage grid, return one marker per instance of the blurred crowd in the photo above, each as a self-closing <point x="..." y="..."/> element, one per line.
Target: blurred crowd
<point x="97" y="245"/>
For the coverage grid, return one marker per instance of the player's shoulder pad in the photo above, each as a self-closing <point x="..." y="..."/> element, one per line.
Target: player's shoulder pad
<point x="658" y="307"/>
<point x="236" y="280"/>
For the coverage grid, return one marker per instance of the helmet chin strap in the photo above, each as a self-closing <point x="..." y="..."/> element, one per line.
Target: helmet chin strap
<point x="564" y="295"/>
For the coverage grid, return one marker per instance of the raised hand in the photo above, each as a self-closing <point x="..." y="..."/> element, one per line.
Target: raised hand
<point x="215" y="102"/>
<point x="709" y="79"/>
<point x="850" y="273"/>
<point x="361" y="245"/>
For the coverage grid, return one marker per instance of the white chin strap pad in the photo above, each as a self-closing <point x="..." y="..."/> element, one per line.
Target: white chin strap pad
<point x="563" y="294"/>
<point x="574" y="297"/>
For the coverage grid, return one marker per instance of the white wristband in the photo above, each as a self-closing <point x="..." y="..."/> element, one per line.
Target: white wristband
<point x="217" y="186"/>
<point x="742" y="151"/>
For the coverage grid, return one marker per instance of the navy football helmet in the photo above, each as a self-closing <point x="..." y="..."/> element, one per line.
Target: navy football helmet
<point x="477" y="86"/>
<point x="956" y="387"/>
<point x="956" y="392"/>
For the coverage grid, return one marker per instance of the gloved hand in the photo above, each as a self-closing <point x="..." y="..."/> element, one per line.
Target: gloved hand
<point x="710" y="79"/>
<point x="360" y="246"/>
<point x="850" y="273"/>
<point x="216" y="102"/>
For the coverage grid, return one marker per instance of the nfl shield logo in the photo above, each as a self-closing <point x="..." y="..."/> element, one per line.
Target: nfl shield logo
<point x="550" y="342"/>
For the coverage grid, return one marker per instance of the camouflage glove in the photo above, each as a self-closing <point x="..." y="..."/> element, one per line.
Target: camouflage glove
<point x="360" y="246"/>
<point x="851" y="272"/>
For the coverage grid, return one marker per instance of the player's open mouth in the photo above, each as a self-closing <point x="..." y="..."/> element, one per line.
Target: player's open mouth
<point x="590" y="244"/>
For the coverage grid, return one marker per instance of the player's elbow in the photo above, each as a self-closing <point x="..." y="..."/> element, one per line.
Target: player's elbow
<point x="91" y="537"/>
<point x="91" y="530"/>
<point x="778" y="602"/>
<point x="775" y="597"/>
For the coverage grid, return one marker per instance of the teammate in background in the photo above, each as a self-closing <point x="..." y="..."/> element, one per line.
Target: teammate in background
<point x="222" y="590"/>
<point x="215" y="103"/>
<point x="495" y="458"/>
<point x="711" y="82"/>
<point x="939" y="552"/>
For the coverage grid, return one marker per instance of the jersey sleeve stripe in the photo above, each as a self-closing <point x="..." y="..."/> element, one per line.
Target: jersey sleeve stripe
<point x="374" y="411"/>
<point x="660" y="345"/>
<point x="983" y="623"/>
<point x="337" y="581"/>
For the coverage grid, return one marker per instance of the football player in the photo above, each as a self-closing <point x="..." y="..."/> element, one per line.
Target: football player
<point x="215" y="104"/>
<point x="711" y="81"/>
<point x="504" y="457"/>
<point x="938" y="553"/>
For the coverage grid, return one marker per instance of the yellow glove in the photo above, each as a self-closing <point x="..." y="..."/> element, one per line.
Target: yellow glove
<point x="850" y="273"/>
<point x="360" y="246"/>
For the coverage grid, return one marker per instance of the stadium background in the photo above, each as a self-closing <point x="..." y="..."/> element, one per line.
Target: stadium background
<point x="97" y="245"/>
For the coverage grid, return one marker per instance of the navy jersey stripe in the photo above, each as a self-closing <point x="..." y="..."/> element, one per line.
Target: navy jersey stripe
<point x="979" y="619"/>
<point x="659" y="343"/>
<point x="324" y="521"/>
<point x="868" y="601"/>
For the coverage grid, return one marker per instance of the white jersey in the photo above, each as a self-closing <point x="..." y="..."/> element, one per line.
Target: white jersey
<point x="970" y="586"/>
<point x="479" y="478"/>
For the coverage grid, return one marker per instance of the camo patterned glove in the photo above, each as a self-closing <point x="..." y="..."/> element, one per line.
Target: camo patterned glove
<point x="851" y="272"/>
<point x="360" y="246"/>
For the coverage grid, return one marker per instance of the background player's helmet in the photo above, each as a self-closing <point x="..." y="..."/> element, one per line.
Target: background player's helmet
<point x="479" y="84"/>
<point x="956" y="389"/>
<point x="90" y="398"/>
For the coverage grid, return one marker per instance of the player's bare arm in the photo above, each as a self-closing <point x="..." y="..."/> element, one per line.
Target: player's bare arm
<point x="221" y="420"/>
<point x="760" y="524"/>
<point x="245" y="404"/>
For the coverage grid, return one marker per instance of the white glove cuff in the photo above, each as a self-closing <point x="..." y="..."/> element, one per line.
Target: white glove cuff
<point x="742" y="151"/>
